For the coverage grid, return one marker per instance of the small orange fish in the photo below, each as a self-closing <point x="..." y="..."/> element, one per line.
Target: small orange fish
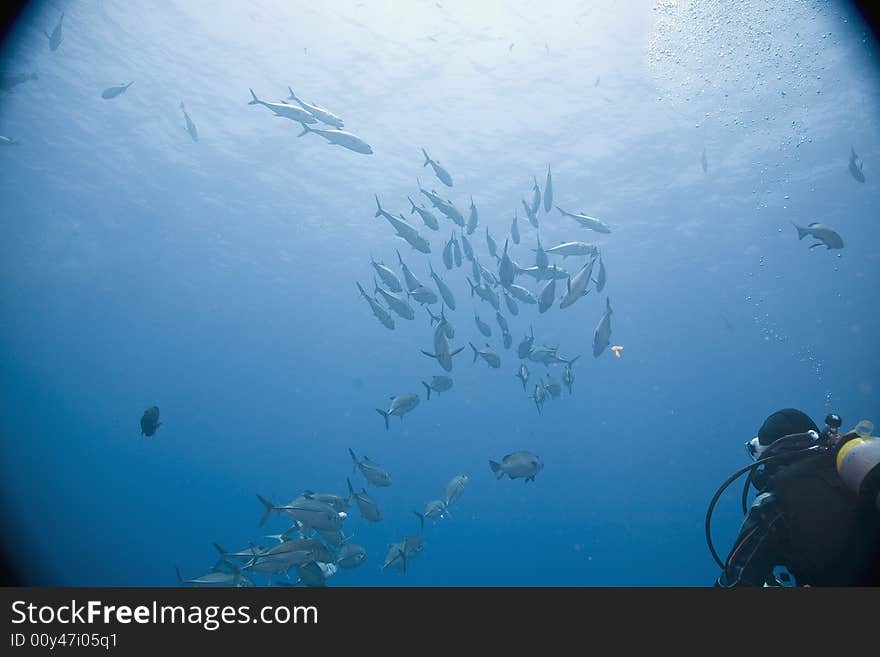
<point x="616" y="349"/>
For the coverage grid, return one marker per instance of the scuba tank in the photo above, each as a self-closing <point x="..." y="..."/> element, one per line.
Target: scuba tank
<point x="858" y="462"/>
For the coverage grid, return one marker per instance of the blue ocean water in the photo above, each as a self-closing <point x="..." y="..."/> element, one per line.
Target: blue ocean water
<point x="216" y="279"/>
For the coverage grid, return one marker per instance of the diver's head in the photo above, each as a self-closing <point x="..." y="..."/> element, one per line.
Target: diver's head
<point x="782" y="423"/>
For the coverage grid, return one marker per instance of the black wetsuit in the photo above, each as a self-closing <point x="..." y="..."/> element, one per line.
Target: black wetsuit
<point x="806" y="520"/>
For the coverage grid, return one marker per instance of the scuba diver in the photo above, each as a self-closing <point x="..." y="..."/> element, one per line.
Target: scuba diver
<point x="816" y="518"/>
<point x="150" y="421"/>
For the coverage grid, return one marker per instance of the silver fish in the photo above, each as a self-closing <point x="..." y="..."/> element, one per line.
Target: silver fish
<point x="311" y="513"/>
<point x="483" y="327"/>
<point x="365" y="504"/>
<point x="539" y="396"/>
<point x="523" y="375"/>
<point x="448" y="328"/>
<point x="216" y="578"/>
<point x="512" y="307"/>
<point x="438" y="384"/>
<point x="541" y="260"/>
<point x="439" y="171"/>
<point x="467" y="248"/>
<point x="434" y="510"/>
<point x="454" y="489"/>
<point x="514" y="228"/>
<point x="525" y="347"/>
<point x="400" y="553"/>
<point x="602" y="336"/>
<point x="586" y="221"/>
<point x="441" y="348"/>
<point x="456" y="251"/>
<point x="826" y="236"/>
<point x="447" y="255"/>
<point x="323" y="115"/>
<point x="856" y="170"/>
<point x="380" y="313"/>
<point x="112" y="92"/>
<point x="424" y="295"/>
<point x="568" y="377"/>
<point x="284" y="110"/>
<point x="445" y="292"/>
<point x="427" y="216"/>
<point x="522" y="294"/>
<point x="389" y="278"/>
<point x="506" y="268"/>
<point x="536" y="198"/>
<point x="339" y="138"/>
<point x="374" y="473"/>
<point x="487" y="354"/>
<point x="493" y="247"/>
<point x="351" y="556"/>
<point x="506" y="339"/>
<point x="396" y="303"/>
<point x="600" y="277"/>
<point x="566" y="249"/>
<point x="56" y="37"/>
<point x="502" y="322"/>
<point x="533" y="218"/>
<point x="552" y="386"/>
<point x="518" y="465"/>
<point x="548" y="191"/>
<point x="400" y="406"/>
<point x="547" y="296"/>
<point x="190" y="126"/>
<point x="577" y="285"/>
<point x="473" y="220"/>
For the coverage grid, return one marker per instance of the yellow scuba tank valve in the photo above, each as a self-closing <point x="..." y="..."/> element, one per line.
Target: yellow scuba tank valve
<point x="858" y="462"/>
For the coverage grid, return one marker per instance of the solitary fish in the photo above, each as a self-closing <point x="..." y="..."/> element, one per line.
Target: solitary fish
<point x="857" y="171"/>
<point x="586" y="221"/>
<point x="365" y="504"/>
<point x="150" y="421"/>
<point x="190" y="126"/>
<point x="523" y="375"/>
<point x="548" y="191"/>
<point x="284" y="110"/>
<point x="56" y="37"/>
<point x="454" y="489"/>
<point x="445" y="292"/>
<point x="396" y="303"/>
<point x="373" y="472"/>
<point x="378" y="311"/>
<point x="487" y="354"/>
<point x="483" y="327"/>
<point x="112" y="92"/>
<point x="427" y="216"/>
<point x="320" y="113"/>
<point x="400" y="406"/>
<point x="438" y="384"/>
<point x="826" y="236"/>
<point x="602" y="336"/>
<point x="547" y="296"/>
<point x="473" y="220"/>
<point x="339" y="138"/>
<point x="518" y="465"/>
<point x="439" y="171"/>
